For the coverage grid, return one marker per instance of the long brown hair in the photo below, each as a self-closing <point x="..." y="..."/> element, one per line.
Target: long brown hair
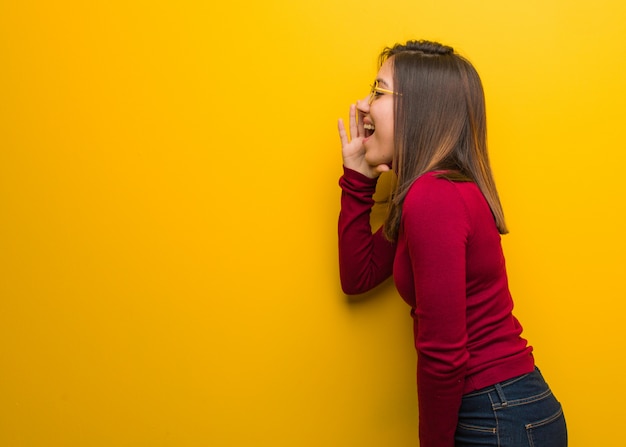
<point x="440" y="124"/>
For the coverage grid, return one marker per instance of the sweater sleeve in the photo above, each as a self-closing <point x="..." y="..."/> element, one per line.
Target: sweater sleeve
<point x="436" y="228"/>
<point x="365" y="259"/>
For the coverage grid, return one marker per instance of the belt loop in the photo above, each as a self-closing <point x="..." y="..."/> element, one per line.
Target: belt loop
<point x="501" y="395"/>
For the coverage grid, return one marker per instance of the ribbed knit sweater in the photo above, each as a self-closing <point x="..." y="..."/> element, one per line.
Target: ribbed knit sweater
<point x="448" y="265"/>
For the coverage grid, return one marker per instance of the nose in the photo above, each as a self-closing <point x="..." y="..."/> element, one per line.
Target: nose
<point x="363" y="105"/>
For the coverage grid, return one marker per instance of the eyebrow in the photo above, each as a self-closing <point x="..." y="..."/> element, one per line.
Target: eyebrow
<point x="382" y="81"/>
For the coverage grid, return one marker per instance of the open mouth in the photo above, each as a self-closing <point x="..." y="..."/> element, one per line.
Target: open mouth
<point x="369" y="129"/>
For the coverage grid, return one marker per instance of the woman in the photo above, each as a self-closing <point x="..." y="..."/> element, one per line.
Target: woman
<point x="425" y="119"/>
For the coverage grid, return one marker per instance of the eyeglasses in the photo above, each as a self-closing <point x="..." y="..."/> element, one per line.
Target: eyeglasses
<point x="377" y="91"/>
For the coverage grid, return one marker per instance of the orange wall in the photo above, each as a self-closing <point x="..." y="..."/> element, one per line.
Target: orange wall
<point x="168" y="202"/>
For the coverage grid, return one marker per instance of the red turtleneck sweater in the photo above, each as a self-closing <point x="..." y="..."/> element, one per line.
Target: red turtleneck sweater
<point x="448" y="266"/>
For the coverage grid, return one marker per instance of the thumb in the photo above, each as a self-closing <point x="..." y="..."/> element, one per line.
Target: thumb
<point x="383" y="168"/>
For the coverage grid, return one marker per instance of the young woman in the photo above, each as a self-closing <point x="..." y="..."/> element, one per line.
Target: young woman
<point x="425" y="119"/>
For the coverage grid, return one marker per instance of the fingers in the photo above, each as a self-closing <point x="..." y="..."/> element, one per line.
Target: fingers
<point x="356" y="127"/>
<point x="360" y="124"/>
<point x="343" y="136"/>
<point x="354" y="130"/>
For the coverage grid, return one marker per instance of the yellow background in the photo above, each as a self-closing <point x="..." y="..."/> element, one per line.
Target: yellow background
<point x="168" y="206"/>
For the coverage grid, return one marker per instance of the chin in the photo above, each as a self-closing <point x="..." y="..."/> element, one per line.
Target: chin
<point x="377" y="162"/>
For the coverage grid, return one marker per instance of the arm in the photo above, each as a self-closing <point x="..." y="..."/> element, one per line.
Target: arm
<point x="365" y="259"/>
<point x="436" y="230"/>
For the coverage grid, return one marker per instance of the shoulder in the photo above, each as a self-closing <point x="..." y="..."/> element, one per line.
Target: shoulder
<point x="433" y="190"/>
<point x="435" y="198"/>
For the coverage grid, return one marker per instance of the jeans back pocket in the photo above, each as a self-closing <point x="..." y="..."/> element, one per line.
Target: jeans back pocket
<point x="548" y="432"/>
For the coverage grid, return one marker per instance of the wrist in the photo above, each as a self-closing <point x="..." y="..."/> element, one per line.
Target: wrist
<point x="359" y="176"/>
<point x="364" y="170"/>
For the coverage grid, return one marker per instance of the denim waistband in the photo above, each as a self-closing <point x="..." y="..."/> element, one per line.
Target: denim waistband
<point x="499" y="386"/>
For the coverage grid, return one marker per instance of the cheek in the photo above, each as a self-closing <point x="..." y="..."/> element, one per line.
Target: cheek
<point x="385" y="135"/>
<point x="381" y="152"/>
<point x="386" y="125"/>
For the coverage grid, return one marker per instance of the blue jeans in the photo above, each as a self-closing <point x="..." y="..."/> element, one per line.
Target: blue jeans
<point x="520" y="412"/>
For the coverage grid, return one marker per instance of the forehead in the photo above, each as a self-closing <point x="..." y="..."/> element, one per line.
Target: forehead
<point x="385" y="73"/>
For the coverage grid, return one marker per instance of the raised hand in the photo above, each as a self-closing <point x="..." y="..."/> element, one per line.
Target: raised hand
<point x="352" y="148"/>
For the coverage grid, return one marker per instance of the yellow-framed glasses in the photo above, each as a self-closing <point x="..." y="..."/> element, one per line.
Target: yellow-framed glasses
<point x="377" y="91"/>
